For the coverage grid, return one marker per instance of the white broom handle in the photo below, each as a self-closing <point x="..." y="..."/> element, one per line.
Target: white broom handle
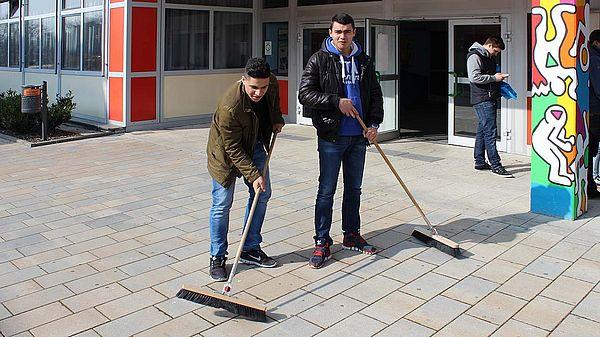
<point x="227" y="286"/>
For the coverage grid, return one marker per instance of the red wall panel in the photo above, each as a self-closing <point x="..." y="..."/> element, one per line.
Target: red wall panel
<point x="143" y="40"/>
<point x="283" y="96"/>
<point x="116" y="35"/>
<point x="143" y="99"/>
<point x="115" y="100"/>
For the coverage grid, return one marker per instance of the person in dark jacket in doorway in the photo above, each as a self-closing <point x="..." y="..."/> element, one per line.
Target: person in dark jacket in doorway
<point x="485" y="92"/>
<point x="246" y="117"/>
<point x="338" y="84"/>
<point x="594" y="114"/>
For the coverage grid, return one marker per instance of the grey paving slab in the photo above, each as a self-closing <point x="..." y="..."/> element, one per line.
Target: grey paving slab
<point x="585" y="270"/>
<point x="471" y="290"/>
<point x="437" y="312"/>
<point x="514" y="328"/>
<point x="568" y="290"/>
<point x="497" y="308"/>
<point x="544" y="313"/>
<point x="70" y="325"/>
<point x="292" y="327"/>
<point x="588" y="308"/>
<point x="576" y="326"/>
<point x="37" y="299"/>
<point x="392" y="307"/>
<point x="406" y="328"/>
<point x="186" y="325"/>
<point x="132" y="323"/>
<point x="130" y="303"/>
<point x="33" y="318"/>
<point x="466" y="325"/>
<point x="331" y="311"/>
<point x="373" y="289"/>
<point x="428" y="286"/>
<point x="525" y="286"/>
<point x="357" y="324"/>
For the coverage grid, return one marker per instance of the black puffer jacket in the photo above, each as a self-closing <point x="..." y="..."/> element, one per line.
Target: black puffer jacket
<point x="321" y="88"/>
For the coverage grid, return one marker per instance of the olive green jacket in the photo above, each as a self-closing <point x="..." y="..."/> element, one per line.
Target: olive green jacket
<point x="233" y="133"/>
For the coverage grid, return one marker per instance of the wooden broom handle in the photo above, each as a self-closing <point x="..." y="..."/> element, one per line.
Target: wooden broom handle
<point x="389" y="164"/>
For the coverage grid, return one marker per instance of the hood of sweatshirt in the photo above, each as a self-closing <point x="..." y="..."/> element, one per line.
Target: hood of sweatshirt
<point x="479" y="49"/>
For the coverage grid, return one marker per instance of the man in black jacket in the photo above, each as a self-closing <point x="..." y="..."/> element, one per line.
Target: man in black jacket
<point x="338" y="84"/>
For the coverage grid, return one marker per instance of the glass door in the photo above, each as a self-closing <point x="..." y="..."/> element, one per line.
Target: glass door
<point x="310" y="39"/>
<point x="382" y="47"/>
<point x="462" y="121"/>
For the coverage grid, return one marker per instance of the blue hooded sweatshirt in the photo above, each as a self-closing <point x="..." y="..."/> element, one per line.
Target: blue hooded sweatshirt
<point x="351" y="78"/>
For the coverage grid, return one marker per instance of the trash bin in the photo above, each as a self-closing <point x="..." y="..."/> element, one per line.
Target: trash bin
<point x="31" y="99"/>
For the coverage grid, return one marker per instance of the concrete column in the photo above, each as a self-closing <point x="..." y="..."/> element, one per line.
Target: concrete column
<point x="560" y="107"/>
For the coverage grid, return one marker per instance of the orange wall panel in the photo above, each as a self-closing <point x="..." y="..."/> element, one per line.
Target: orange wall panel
<point x="115" y="102"/>
<point x="283" y="96"/>
<point x="143" y="41"/>
<point x="116" y="35"/>
<point x="143" y="99"/>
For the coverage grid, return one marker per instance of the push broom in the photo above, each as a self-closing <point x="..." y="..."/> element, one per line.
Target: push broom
<point x="431" y="238"/>
<point x="223" y="299"/>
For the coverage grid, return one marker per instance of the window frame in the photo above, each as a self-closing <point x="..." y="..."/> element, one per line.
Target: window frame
<point x="8" y="22"/>
<point x="211" y="43"/>
<point x="39" y="18"/>
<point x="80" y="12"/>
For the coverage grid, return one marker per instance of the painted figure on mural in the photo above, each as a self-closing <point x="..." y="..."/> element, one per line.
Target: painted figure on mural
<point x="594" y="114"/>
<point x="485" y="92"/>
<point x="551" y="132"/>
<point x="338" y="84"/>
<point x="236" y="148"/>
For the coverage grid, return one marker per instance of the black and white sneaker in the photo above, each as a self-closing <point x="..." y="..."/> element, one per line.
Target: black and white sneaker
<point x="483" y="167"/>
<point x="258" y="258"/>
<point x="501" y="171"/>
<point x="217" y="268"/>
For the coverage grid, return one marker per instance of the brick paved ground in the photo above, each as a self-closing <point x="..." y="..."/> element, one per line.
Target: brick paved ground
<point x="97" y="236"/>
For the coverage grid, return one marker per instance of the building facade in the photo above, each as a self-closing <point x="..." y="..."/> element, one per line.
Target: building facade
<point x="156" y="63"/>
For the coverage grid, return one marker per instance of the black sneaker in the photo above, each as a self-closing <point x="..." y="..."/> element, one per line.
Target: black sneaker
<point x="354" y="241"/>
<point x="501" y="171"/>
<point x="259" y="258"/>
<point x="483" y="167"/>
<point x="217" y="268"/>
<point x="321" y="254"/>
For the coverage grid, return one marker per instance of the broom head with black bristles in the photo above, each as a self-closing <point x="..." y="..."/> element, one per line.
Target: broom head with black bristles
<point x="222" y="301"/>
<point x="437" y="241"/>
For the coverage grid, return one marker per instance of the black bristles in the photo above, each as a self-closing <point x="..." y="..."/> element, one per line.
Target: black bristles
<point x="222" y="303"/>
<point x="431" y="242"/>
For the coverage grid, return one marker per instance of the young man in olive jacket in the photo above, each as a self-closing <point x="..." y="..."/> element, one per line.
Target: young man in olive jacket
<point x="338" y="84"/>
<point x="240" y="132"/>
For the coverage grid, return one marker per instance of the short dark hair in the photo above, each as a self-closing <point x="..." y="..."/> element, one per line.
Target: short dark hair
<point x="343" y="19"/>
<point x="257" y="67"/>
<point x="595" y="35"/>
<point x="496" y="42"/>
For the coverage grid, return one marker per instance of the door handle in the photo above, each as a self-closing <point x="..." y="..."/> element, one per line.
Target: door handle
<point x="457" y="91"/>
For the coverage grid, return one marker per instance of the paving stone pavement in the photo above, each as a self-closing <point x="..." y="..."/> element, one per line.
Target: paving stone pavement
<point x="97" y="236"/>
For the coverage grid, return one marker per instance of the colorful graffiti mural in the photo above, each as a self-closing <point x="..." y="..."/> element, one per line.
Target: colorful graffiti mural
<point x="560" y="104"/>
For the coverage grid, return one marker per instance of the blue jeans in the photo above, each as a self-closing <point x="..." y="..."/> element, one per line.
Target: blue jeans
<point x="485" y="140"/>
<point x="222" y="198"/>
<point x="348" y="152"/>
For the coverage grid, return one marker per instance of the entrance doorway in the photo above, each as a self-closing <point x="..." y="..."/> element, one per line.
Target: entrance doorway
<point x="423" y="63"/>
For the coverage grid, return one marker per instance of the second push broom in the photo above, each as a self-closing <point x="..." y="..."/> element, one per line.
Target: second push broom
<point x="431" y="237"/>
<point x="223" y="299"/>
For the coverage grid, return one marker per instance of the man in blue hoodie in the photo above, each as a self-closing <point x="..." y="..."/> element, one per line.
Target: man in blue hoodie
<point x="337" y="85"/>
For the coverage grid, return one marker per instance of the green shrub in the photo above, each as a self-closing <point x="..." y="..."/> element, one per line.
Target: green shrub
<point x="60" y="112"/>
<point x="11" y="117"/>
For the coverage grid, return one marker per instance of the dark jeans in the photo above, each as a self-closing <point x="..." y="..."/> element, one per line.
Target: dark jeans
<point x="349" y="153"/>
<point x="485" y="140"/>
<point x="594" y="138"/>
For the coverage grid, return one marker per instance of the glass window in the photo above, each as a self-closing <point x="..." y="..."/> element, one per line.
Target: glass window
<point x="3" y="45"/>
<point x="70" y="4"/>
<point x="3" y="10"/>
<point x="232" y="39"/>
<point x="186" y="39"/>
<point x="275" y="3"/>
<point x="275" y="46"/>
<point x="48" y="41"/>
<point x="71" y="43"/>
<point x="35" y="7"/>
<point x="328" y="2"/>
<point x="92" y="41"/>
<point x="32" y="44"/>
<point x="91" y="3"/>
<point x="222" y="3"/>
<point x="15" y="8"/>
<point x="13" y="45"/>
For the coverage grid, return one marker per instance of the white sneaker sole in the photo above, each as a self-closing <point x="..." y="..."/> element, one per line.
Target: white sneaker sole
<point x="249" y="262"/>
<point x="362" y="251"/>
